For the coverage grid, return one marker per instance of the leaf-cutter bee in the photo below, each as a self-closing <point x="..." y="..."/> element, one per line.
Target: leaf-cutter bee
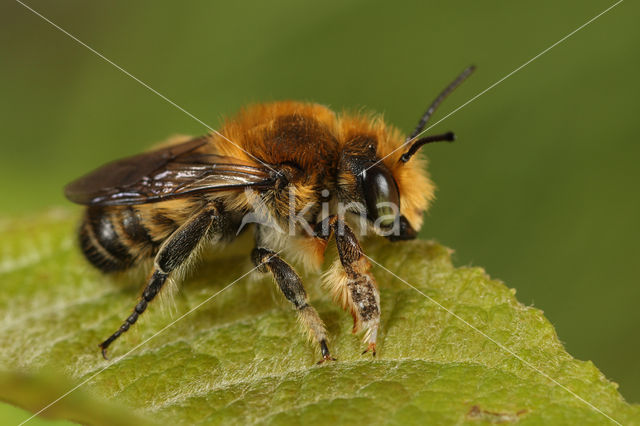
<point x="313" y="173"/>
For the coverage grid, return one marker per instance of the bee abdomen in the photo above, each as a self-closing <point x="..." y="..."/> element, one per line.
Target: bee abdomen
<point x="114" y="240"/>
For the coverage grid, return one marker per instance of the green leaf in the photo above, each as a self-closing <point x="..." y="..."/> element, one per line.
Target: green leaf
<point x="241" y="357"/>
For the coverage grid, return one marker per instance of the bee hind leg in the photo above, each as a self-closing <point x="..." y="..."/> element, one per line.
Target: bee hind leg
<point x="173" y="252"/>
<point x="291" y="286"/>
<point x="350" y="280"/>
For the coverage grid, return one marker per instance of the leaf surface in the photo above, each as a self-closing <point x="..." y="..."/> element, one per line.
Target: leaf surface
<point x="241" y="357"/>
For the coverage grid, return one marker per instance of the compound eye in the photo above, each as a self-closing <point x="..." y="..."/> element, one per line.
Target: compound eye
<point x="381" y="195"/>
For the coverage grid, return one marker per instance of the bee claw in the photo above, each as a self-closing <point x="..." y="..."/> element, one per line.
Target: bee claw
<point x="326" y="358"/>
<point x="326" y="355"/>
<point x="104" y="352"/>
<point x="372" y="348"/>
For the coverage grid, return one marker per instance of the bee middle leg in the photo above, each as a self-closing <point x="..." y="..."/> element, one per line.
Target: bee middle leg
<point x="291" y="286"/>
<point x="350" y="280"/>
<point x="173" y="252"/>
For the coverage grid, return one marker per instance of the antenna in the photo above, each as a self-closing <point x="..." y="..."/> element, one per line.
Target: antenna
<point x="445" y="137"/>
<point x="441" y="97"/>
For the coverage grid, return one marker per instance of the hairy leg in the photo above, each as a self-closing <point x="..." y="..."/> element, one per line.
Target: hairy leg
<point x="173" y="252"/>
<point x="352" y="285"/>
<point x="291" y="286"/>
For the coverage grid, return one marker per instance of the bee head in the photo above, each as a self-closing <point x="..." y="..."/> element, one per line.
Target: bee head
<point x="378" y="194"/>
<point x="380" y="172"/>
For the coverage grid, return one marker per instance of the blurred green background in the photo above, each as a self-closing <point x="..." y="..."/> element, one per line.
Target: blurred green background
<point x="541" y="187"/>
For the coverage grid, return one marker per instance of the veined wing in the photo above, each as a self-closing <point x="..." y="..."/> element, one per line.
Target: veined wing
<point x="166" y="173"/>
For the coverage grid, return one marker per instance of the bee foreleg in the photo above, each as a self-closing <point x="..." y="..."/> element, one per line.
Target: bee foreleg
<point x="291" y="286"/>
<point x="353" y="285"/>
<point x="173" y="252"/>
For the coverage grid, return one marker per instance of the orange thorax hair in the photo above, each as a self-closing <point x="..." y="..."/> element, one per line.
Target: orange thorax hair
<point x="314" y="137"/>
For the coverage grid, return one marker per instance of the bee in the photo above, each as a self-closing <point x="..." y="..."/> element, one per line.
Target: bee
<point x="311" y="172"/>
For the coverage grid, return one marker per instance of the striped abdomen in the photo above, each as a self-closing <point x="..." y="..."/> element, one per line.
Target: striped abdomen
<point x="114" y="238"/>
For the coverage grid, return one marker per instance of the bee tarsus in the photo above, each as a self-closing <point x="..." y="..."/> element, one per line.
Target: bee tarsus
<point x="291" y="286"/>
<point x="326" y="356"/>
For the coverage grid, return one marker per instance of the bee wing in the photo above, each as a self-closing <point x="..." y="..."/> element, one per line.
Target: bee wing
<point x="163" y="174"/>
